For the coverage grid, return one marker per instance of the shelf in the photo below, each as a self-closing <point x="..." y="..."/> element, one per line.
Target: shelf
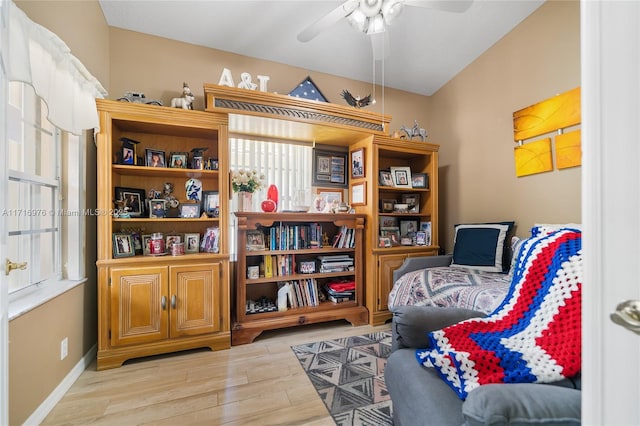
<point x="163" y="172"/>
<point x="295" y="277"/>
<point x="318" y="251"/>
<point x="165" y="220"/>
<point x="324" y="306"/>
<point x="394" y="189"/>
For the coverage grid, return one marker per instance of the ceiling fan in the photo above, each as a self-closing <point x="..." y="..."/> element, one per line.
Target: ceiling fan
<point x="373" y="16"/>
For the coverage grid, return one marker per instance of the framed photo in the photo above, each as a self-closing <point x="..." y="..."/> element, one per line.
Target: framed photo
<point x="128" y="153"/>
<point x="386" y="206"/>
<point x="191" y="243"/>
<point x="137" y="242"/>
<point x="385" y="178"/>
<point x="426" y="228"/>
<point x="190" y="210"/>
<point x="170" y="240"/>
<point x="420" y="180"/>
<point x="211" y="203"/>
<point x="146" y="244"/>
<point x="388" y="222"/>
<point x="393" y="234"/>
<point x="212" y="164"/>
<point x="329" y="168"/>
<point x="384" y="242"/>
<point x="210" y="240"/>
<point x="408" y="227"/>
<point x="157" y="208"/>
<point x="357" y="163"/>
<point x="359" y="194"/>
<point x="330" y="195"/>
<point x="421" y="238"/>
<point x="179" y="160"/>
<point x="255" y="240"/>
<point x="413" y="201"/>
<point x="401" y="177"/>
<point x="123" y="245"/>
<point x="154" y="158"/>
<point x="131" y="200"/>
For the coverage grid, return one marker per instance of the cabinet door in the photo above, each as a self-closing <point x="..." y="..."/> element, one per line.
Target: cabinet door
<point x="195" y="299"/>
<point x="139" y="305"/>
<point x="386" y="265"/>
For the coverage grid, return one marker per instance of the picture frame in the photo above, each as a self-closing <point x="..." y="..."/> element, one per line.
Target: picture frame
<point x="357" y="164"/>
<point x="359" y="194"/>
<point x="384" y="242"/>
<point x="123" y="245"/>
<point x="132" y="200"/>
<point x="413" y="201"/>
<point x="192" y="243"/>
<point x="385" y="178"/>
<point x="420" y="180"/>
<point x="393" y="234"/>
<point x="190" y="210"/>
<point x="421" y="238"/>
<point x="154" y="158"/>
<point x="388" y="222"/>
<point x="211" y="203"/>
<point x="146" y="244"/>
<point x="170" y="240"/>
<point x="401" y="177"/>
<point x="128" y="152"/>
<point x="179" y="160"/>
<point x="408" y="227"/>
<point x="426" y="228"/>
<point x="136" y="237"/>
<point x="330" y="195"/>
<point x="212" y="164"/>
<point x="157" y="208"/>
<point x="386" y="206"/>
<point x="210" y="240"/>
<point x="329" y="168"/>
<point x="255" y="240"/>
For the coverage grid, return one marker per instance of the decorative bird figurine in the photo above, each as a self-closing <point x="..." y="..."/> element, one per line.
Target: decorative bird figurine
<point x="356" y="101"/>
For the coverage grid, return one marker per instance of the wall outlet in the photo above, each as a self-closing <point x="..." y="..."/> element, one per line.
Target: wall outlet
<point x="64" y="348"/>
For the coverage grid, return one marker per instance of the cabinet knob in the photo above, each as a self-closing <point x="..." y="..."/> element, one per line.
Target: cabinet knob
<point x="163" y="302"/>
<point x="173" y="301"/>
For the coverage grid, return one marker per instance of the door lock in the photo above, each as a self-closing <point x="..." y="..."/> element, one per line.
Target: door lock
<point x="10" y="266"/>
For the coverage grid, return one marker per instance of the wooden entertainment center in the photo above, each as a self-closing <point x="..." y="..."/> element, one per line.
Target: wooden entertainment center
<point x="155" y="304"/>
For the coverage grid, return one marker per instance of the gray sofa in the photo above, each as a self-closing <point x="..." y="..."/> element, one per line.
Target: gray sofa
<point x="421" y="397"/>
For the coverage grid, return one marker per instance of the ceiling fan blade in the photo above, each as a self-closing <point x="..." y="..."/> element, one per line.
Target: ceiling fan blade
<point x="380" y="45"/>
<point x="327" y="20"/>
<point x="457" y="6"/>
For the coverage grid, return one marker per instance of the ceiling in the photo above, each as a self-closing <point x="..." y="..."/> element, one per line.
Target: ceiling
<point x="426" y="47"/>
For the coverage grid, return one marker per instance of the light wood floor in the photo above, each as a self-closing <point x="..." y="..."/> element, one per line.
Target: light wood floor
<point x="261" y="383"/>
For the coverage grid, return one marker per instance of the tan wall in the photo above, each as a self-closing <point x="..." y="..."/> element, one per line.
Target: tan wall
<point x="35" y="368"/>
<point x="472" y="121"/>
<point x="157" y="67"/>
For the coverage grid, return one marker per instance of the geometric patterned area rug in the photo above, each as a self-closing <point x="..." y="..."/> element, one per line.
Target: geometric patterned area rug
<point x="348" y="374"/>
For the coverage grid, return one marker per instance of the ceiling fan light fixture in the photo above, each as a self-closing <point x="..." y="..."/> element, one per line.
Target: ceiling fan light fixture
<point x="376" y="25"/>
<point x="390" y="10"/>
<point x="358" y="20"/>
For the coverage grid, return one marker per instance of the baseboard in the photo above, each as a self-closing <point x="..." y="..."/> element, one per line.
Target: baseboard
<point x="54" y="397"/>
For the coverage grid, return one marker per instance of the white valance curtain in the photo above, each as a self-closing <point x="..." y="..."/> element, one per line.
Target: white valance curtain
<point x="38" y="57"/>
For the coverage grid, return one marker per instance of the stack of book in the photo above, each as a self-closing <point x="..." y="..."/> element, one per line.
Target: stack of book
<point x="336" y="263"/>
<point x="340" y="291"/>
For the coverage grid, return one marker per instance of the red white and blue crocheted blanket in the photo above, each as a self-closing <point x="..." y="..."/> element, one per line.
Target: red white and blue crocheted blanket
<point x="534" y="336"/>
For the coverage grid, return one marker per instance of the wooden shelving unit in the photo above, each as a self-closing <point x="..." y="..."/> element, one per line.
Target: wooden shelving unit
<point x="247" y="326"/>
<point x="149" y="305"/>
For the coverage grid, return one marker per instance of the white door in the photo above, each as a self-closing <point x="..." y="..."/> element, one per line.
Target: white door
<point x="611" y="208"/>
<point x="4" y="287"/>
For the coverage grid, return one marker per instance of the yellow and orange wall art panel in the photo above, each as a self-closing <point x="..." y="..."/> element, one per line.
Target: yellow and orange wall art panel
<point x="533" y="157"/>
<point x="568" y="150"/>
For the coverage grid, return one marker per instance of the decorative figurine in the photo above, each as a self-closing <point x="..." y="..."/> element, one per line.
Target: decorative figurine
<point x="356" y="101"/>
<point x="186" y="101"/>
<point x="138" y="98"/>
<point x="414" y="131"/>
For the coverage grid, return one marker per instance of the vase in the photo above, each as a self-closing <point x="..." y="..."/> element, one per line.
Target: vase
<point x="245" y="201"/>
<point x="272" y="194"/>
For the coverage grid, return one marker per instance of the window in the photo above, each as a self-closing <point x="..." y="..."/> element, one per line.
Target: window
<point x="33" y="224"/>
<point x="286" y="165"/>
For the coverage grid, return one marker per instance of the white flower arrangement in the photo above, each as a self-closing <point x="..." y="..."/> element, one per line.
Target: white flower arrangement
<point x="246" y="180"/>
